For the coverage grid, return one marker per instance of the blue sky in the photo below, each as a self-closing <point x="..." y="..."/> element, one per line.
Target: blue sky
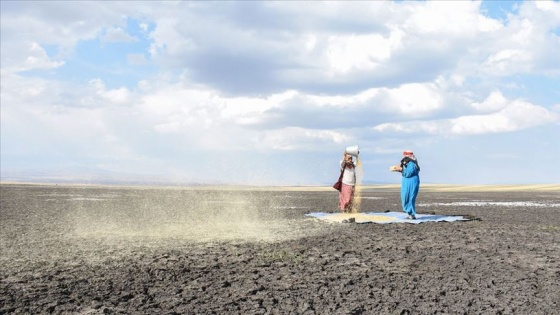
<point x="270" y="93"/>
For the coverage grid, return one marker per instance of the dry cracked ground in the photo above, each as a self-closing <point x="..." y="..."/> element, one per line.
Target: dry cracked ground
<point x="150" y="250"/>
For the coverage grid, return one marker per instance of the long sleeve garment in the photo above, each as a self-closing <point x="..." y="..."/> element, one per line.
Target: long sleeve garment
<point x="349" y="177"/>
<point x="410" y="185"/>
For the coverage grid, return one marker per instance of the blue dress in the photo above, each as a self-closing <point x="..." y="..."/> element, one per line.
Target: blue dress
<point x="410" y="185"/>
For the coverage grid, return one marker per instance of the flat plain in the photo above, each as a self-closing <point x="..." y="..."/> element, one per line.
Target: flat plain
<point x="76" y="249"/>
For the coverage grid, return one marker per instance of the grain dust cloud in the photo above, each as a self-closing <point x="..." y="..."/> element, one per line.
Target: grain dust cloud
<point x="357" y="202"/>
<point x="193" y="214"/>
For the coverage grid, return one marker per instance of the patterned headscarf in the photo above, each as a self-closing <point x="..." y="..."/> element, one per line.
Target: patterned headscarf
<point x="410" y="154"/>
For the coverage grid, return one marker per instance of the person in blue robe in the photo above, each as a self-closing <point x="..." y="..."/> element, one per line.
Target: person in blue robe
<point x="410" y="183"/>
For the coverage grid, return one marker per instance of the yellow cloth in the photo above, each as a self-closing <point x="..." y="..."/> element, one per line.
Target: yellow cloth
<point x="360" y="217"/>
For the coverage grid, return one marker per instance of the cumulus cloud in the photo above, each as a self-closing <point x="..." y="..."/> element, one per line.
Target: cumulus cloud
<point x="26" y="57"/>
<point x="526" y="43"/>
<point x="113" y="96"/>
<point x="514" y="116"/>
<point x="495" y="101"/>
<point x="294" y="138"/>
<point x="117" y="34"/>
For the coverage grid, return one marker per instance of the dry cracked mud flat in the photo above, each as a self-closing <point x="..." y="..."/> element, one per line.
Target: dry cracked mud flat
<point x="149" y="250"/>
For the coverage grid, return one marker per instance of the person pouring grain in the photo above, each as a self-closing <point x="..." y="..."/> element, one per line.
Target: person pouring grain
<point x="346" y="194"/>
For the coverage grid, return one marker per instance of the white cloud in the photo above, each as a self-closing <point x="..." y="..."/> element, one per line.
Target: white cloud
<point x="290" y="139"/>
<point x="26" y="57"/>
<point x="514" y="116"/>
<point x="144" y="27"/>
<point x="548" y="9"/>
<point x="445" y="17"/>
<point x="113" y="96"/>
<point x="527" y="43"/>
<point x="61" y="24"/>
<point x="38" y="120"/>
<point x="356" y="53"/>
<point x="116" y="35"/>
<point x="508" y="61"/>
<point x="413" y="99"/>
<point x="495" y="101"/>
<point x="38" y="59"/>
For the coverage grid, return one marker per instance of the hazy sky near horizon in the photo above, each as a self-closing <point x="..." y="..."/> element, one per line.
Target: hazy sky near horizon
<point x="271" y="92"/>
